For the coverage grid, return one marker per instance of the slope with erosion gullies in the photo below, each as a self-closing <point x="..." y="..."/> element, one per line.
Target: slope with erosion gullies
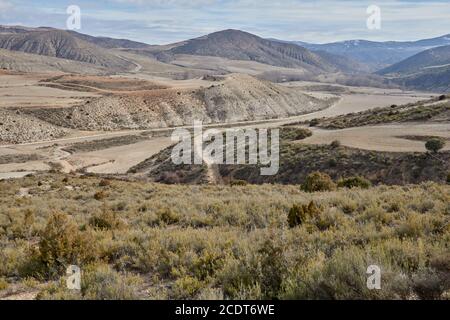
<point x="231" y="98"/>
<point x="62" y="44"/>
<point x="239" y="45"/>
<point x="25" y="62"/>
<point x="110" y="43"/>
<point x="17" y="127"/>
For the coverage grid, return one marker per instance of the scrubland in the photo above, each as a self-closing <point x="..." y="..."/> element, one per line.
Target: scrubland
<point x="136" y="240"/>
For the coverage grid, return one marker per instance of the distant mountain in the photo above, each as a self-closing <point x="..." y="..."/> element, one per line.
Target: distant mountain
<point x="59" y="44"/>
<point x="239" y="45"/>
<point x="430" y="59"/>
<point x="436" y="81"/>
<point x="377" y="55"/>
<point x="110" y="43"/>
<point x="428" y="70"/>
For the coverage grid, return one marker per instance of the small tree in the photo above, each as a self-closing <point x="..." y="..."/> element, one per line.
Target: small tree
<point x="435" y="144"/>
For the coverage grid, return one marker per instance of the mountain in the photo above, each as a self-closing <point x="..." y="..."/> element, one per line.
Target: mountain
<point x="239" y="45"/>
<point x="430" y="59"/>
<point x="377" y="55"/>
<point x="428" y="70"/>
<point x="59" y="44"/>
<point x="110" y="43"/>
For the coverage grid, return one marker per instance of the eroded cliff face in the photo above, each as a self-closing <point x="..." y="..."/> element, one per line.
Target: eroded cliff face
<point x="231" y="98"/>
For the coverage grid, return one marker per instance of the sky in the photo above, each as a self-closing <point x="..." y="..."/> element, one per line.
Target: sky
<point x="168" y="21"/>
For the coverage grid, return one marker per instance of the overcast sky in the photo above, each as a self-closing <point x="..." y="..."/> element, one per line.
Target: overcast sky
<point x="166" y="21"/>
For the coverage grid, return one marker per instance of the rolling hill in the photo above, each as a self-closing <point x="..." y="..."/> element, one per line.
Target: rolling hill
<point x="428" y="70"/>
<point x="430" y="59"/>
<point x="239" y="45"/>
<point x="59" y="44"/>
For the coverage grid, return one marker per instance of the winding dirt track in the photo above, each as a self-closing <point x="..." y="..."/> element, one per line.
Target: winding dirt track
<point x="119" y="159"/>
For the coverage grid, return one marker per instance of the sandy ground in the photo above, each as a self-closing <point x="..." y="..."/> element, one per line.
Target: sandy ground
<point x="383" y="137"/>
<point x="120" y="159"/>
<point x="25" y="91"/>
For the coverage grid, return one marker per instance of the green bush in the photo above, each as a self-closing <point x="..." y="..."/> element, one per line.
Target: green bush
<point x="354" y="182"/>
<point x="435" y="144"/>
<point x="335" y="144"/>
<point x="317" y="182"/>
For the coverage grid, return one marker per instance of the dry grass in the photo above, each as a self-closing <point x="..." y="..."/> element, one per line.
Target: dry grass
<point x="152" y="241"/>
<point x="404" y="113"/>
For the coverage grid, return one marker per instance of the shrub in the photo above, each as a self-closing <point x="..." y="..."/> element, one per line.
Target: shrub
<point x="237" y="183"/>
<point x="100" y="195"/>
<point x="106" y="220"/>
<point x="314" y="122"/>
<point x="318" y="181"/>
<point x="3" y="284"/>
<point x="335" y="144"/>
<point x="62" y="244"/>
<point x="354" y="182"/>
<point x="167" y="216"/>
<point x="186" y="287"/>
<point x="292" y="134"/>
<point x="435" y="144"/>
<point x="300" y="213"/>
<point x="101" y="282"/>
<point x="104" y="183"/>
<point x="442" y="97"/>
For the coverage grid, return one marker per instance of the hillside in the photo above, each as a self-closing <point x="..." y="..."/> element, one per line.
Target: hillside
<point x="239" y="45"/>
<point x="298" y="160"/>
<point x="110" y="43"/>
<point x="231" y="98"/>
<point x="378" y="55"/>
<point x="61" y="44"/>
<point x="435" y="58"/>
<point x="150" y="241"/>
<point x="428" y="70"/>
<point x="27" y="62"/>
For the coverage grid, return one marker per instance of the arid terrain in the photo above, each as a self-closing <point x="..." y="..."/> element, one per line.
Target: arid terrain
<point x="86" y="175"/>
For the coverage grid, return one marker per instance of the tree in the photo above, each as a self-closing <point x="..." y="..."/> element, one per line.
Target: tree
<point x="435" y="144"/>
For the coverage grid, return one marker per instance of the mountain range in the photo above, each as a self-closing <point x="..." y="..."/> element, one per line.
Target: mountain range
<point x="422" y="64"/>
<point x="378" y="55"/>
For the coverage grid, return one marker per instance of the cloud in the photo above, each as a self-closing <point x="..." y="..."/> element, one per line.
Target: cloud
<point x="5" y="5"/>
<point x="165" y="21"/>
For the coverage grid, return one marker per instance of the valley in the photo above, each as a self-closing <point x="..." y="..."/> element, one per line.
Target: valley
<point x="87" y="175"/>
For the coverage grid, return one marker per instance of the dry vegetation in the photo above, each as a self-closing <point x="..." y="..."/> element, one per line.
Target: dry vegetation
<point x="430" y="110"/>
<point x="151" y="241"/>
<point x="298" y="160"/>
